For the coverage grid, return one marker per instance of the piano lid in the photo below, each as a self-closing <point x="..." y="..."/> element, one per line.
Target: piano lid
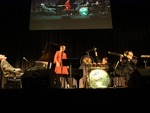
<point x="145" y="56"/>
<point x="49" y="52"/>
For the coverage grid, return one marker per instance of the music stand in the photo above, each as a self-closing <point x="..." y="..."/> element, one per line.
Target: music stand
<point x="77" y="74"/>
<point x="71" y="62"/>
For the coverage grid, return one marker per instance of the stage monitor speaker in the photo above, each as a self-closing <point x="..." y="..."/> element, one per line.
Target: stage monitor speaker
<point x="144" y="71"/>
<point x="134" y="80"/>
<point x="144" y="77"/>
<point x="40" y="79"/>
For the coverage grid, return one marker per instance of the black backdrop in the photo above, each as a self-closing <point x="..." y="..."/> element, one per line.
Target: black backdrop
<point x="131" y="31"/>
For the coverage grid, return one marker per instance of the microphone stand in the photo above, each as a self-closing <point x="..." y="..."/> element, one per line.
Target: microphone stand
<point x="88" y="84"/>
<point x="88" y="68"/>
<point x="25" y="64"/>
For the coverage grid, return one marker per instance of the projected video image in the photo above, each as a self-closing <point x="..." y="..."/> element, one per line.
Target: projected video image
<point x="70" y="14"/>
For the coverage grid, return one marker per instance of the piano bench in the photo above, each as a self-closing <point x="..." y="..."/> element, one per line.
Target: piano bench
<point x="13" y="83"/>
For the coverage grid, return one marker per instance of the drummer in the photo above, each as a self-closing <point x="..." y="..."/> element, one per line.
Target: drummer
<point x="103" y="64"/>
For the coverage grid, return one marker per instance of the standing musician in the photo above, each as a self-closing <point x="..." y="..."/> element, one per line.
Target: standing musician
<point x="61" y="70"/>
<point x="67" y="5"/>
<point x="128" y="65"/>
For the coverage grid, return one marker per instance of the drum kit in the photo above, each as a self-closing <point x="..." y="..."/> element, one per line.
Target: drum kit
<point x="97" y="76"/>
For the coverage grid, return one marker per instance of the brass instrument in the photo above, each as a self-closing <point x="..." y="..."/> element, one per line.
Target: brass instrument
<point x="125" y="53"/>
<point x="114" y="53"/>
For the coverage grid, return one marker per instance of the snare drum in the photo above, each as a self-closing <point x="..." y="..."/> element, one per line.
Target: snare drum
<point x="98" y="78"/>
<point x="97" y="66"/>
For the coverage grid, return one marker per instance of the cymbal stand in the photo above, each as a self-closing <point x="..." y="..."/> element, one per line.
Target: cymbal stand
<point x="87" y="69"/>
<point x="115" y="71"/>
<point x="70" y="70"/>
<point x="87" y="73"/>
<point x="88" y="78"/>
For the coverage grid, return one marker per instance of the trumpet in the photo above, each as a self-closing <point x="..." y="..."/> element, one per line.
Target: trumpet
<point x="126" y="53"/>
<point x="114" y="53"/>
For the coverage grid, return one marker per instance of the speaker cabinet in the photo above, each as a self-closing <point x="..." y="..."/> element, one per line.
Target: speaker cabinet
<point x="144" y="77"/>
<point x="134" y="80"/>
<point x="144" y="71"/>
<point x="40" y="79"/>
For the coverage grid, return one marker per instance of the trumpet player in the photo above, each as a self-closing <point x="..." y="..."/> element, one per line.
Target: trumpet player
<point x="128" y="64"/>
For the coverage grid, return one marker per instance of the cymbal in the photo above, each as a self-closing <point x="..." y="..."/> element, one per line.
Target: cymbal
<point x="86" y="60"/>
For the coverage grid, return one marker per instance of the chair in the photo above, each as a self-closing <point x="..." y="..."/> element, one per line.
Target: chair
<point x="10" y="83"/>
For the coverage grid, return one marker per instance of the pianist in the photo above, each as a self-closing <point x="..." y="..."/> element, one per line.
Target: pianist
<point x="47" y="9"/>
<point x="7" y="69"/>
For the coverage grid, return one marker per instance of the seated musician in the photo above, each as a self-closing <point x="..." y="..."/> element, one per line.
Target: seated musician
<point x="7" y="69"/>
<point x="102" y="64"/>
<point x="47" y="9"/>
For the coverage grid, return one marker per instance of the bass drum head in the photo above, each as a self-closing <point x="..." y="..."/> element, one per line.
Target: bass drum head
<point x="98" y="78"/>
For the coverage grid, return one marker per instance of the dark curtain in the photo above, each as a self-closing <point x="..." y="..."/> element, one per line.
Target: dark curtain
<point x="130" y="31"/>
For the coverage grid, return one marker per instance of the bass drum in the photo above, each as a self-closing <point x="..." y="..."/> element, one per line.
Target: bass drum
<point x="98" y="78"/>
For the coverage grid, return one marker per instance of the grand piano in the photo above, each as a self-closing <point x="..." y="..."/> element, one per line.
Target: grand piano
<point x="48" y="53"/>
<point x="41" y="74"/>
<point x="46" y="59"/>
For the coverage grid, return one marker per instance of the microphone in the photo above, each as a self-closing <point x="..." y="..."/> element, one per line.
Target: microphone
<point x="25" y="59"/>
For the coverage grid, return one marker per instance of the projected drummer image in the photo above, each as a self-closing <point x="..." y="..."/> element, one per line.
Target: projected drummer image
<point x="76" y="14"/>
